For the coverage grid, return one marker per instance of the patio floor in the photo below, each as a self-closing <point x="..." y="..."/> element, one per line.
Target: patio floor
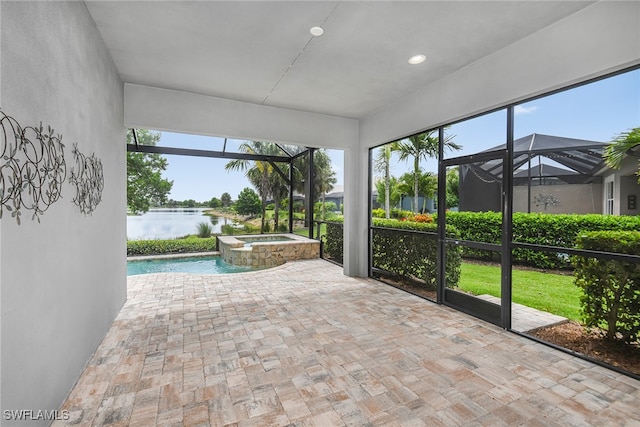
<point x="302" y="344"/>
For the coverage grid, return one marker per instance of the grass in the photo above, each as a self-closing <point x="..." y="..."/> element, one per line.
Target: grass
<point x="553" y="293"/>
<point x="304" y="231"/>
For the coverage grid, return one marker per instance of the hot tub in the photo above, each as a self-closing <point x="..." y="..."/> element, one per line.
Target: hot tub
<point x="266" y="250"/>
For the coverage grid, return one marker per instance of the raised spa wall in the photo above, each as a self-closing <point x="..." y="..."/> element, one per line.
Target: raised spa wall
<point x="267" y="250"/>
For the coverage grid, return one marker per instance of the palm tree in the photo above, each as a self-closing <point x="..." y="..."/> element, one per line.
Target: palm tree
<point x="427" y="185"/>
<point x="394" y="193"/>
<point x="421" y="147"/>
<point x="279" y="192"/>
<point x="324" y="177"/>
<point x="261" y="174"/>
<point x="382" y="164"/>
<point x="615" y="153"/>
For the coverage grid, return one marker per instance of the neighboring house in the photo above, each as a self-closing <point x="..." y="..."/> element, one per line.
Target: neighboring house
<point x="336" y="197"/>
<point x="621" y="191"/>
<point x="428" y="206"/>
<point x="555" y="175"/>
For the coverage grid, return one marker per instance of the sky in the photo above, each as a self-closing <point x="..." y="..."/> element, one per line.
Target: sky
<point x="598" y="111"/>
<point x="201" y="178"/>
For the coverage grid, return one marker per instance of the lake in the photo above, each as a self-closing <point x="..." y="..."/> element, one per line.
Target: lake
<point x="170" y="223"/>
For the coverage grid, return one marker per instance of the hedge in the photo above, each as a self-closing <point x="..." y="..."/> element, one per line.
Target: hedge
<point x="535" y="228"/>
<point x="157" y="247"/>
<point x="400" y="251"/>
<point x="611" y="289"/>
<point x="334" y="242"/>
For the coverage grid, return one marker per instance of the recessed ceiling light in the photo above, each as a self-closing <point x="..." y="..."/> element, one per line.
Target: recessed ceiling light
<point x="316" y="31"/>
<point x="417" y="59"/>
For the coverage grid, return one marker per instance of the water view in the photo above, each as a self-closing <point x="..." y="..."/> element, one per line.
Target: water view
<point x="170" y="223"/>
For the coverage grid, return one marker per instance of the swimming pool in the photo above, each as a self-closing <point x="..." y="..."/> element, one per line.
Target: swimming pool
<point x="197" y="265"/>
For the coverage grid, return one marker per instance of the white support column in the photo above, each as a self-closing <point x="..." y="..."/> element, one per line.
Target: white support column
<point x="356" y="212"/>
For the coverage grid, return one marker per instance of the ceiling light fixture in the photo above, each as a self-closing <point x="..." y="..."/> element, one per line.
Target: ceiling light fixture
<point x="316" y="31"/>
<point x="417" y="59"/>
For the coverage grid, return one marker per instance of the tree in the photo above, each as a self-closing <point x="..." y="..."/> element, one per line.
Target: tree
<point x="215" y="203"/>
<point x="325" y="176"/>
<point x="145" y="185"/>
<point x="260" y="173"/>
<point x="421" y="147"/>
<point x="453" y="188"/>
<point x="323" y="179"/>
<point x="427" y="186"/>
<point x="226" y="200"/>
<point x="616" y="152"/>
<point x="394" y="193"/>
<point x="248" y="202"/>
<point x="382" y="164"/>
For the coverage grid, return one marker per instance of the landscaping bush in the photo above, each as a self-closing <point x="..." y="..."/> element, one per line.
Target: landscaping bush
<point x="333" y="242"/>
<point x="157" y="247"/>
<point x="228" y="229"/>
<point x="426" y="218"/>
<point x="405" y="253"/>
<point x="204" y="229"/>
<point x="535" y="228"/>
<point x="399" y="213"/>
<point x="479" y="227"/>
<point x="611" y="289"/>
<point x="378" y="213"/>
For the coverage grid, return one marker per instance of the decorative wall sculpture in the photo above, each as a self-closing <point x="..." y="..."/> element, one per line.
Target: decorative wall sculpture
<point x="88" y="180"/>
<point x="32" y="168"/>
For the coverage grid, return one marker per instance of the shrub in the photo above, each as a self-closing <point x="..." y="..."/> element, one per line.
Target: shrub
<point x="611" y="289"/>
<point x="228" y="229"/>
<point x="298" y="206"/>
<point x="535" y="228"/>
<point x="157" y="247"/>
<point x="399" y="213"/>
<point x="334" y="241"/>
<point x="424" y="218"/>
<point x="204" y="230"/>
<point x="378" y="213"/>
<point x="399" y="250"/>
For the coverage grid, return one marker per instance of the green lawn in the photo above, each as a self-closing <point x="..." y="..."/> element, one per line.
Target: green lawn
<point x="553" y="293"/>
<point x="305" y="231"/>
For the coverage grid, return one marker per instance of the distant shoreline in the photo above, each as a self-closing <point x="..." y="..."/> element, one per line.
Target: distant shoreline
<point x="235" y="217"/>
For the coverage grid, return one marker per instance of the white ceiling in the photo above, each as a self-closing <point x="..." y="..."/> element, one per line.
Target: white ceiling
<point x="261" y="52"/>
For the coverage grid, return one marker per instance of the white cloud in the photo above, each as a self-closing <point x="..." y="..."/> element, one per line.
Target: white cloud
<point x="519" y="109"/>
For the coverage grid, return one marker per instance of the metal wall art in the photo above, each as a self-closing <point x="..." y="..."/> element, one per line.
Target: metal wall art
<point x="88" y="180"/>
<point x="32" y="168"/>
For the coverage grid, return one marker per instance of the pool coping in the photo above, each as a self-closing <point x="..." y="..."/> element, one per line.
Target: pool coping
<point x="172" y="256"/>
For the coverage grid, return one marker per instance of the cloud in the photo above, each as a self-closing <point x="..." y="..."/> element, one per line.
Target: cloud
<point x="519" y="109"/>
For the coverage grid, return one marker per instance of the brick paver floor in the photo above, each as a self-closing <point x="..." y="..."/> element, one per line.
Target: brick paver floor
<point x="304" y="345"/>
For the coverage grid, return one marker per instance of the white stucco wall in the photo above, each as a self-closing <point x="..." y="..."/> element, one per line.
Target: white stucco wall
<point x="572" y="198"/>
<point x="63" y="280"/>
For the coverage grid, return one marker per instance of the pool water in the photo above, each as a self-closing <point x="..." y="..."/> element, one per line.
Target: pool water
<point x="198" y="265"/>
